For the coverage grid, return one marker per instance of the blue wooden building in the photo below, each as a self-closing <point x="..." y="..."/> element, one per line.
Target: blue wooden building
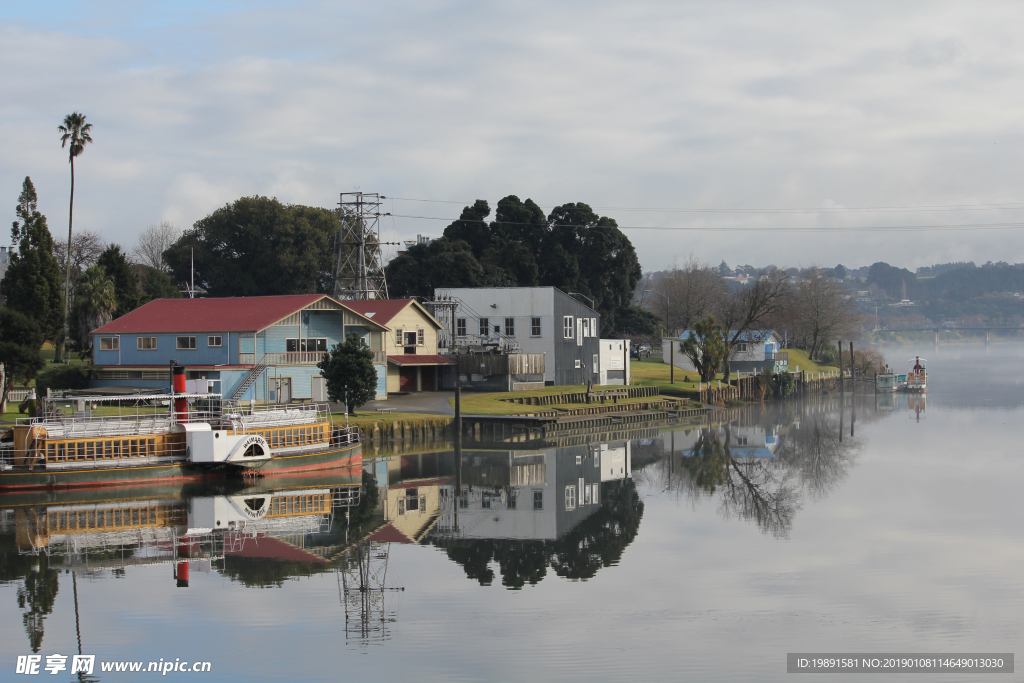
<point x="263" y="347"/>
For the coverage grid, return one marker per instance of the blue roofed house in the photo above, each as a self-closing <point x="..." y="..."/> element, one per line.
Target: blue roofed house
<point x="753" y="352"/>
<point x="262" y="348"/>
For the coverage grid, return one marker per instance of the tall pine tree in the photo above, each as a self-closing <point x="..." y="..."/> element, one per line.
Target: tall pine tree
<point x="32" y="284"/>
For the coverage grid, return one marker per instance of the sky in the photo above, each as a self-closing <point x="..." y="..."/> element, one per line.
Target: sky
<point x="791" y="133"/>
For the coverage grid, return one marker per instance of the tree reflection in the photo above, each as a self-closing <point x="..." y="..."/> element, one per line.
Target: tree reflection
<point x="764" y="482"/>
<point x="596" y="542"/>
<point x="36" y="596"/>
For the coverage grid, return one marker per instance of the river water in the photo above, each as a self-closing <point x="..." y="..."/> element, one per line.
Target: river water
<point x="696" y="552"/>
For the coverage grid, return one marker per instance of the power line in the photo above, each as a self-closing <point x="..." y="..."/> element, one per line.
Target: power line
<point x="856" y="228"/>
<point x="811" y="210"/>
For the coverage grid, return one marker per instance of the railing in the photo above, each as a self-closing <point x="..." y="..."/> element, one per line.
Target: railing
<point x="297" y="358"/>
<point x="778" y="356"/>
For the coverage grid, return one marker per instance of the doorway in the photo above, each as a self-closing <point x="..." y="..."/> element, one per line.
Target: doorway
<point x="284" y="389"/>
<point x="319" y="389"/>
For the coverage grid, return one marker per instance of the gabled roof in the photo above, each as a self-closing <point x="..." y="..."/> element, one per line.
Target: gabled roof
<point x="382" y="311"/>
<point x="225" y="314"/>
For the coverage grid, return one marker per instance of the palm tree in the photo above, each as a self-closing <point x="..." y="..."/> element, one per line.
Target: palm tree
<point x="95" y="302"/>
<point x="75" y="136"/>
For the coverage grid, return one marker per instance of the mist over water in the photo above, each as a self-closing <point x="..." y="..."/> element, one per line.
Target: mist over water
<point x="875" y="523"/>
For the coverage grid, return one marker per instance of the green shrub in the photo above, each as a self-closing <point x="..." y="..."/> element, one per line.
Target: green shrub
<point x="63" y="377"/>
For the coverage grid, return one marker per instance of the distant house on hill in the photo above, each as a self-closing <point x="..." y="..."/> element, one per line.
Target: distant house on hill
<point x="413" y="363"/>
<point x="262" y="348"/>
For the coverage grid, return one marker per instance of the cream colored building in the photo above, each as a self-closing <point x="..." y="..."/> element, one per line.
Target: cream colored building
<point x="410" y="343"/>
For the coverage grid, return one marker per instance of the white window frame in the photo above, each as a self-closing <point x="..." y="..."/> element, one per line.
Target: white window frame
<point x="420" y="338"/>
<point x="460" y="327"/>
<point x="484" y="327"/>
<point x="535" y="328"/>
<point x="538" y="499"/>
<point x="570" y="497"/>
<point x="192" y="344"/>
<point x="568" y="327"/>
<point x="579" y="364"/>
<point x="141" y="346"/>
<point x="510" y="327"/>
<point x="215" y="344"/>
<point x="113" y="343"/>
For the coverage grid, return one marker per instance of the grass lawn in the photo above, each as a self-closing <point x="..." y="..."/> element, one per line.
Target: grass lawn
<point x="362" y="418"/>
<point x="652" y="371"/>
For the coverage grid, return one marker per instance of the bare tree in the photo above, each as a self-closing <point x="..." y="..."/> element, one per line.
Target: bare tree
<point x="686" y="294"/>
<point x="86" y="247"/>
<point x="821" y="311"/>
<point x="153" y="242"/>
<point x="749" y="312"/>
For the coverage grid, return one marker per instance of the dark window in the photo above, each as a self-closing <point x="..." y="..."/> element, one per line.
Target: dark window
<point x="538" y="500"/>
<point x="535" y="327"/>
<point x="185" y="343"/>
<point x="214" y="341"/>
<point x="460" y="327"/>
<point x="485" y="327"/>
<point x="510" y="327"/>
<point x="311" y="345"/>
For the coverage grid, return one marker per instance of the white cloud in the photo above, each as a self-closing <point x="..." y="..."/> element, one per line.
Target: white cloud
<point x="735" y="105"/>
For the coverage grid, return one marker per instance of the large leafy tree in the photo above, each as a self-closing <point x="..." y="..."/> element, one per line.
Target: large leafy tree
<point x="444" y="262"/>
<point x="32" y="284"/>
<point x="349" y="373"/>
<point x="75" y="134"/>
<point x="573" y="249"/>
<point x="20" y="340"/>
<point x="257" y="246"/>
<point x="156" y="284"/>
<point x="125" y="278"/>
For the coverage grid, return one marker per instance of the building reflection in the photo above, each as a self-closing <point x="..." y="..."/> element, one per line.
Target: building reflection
<point x="568" y="510"/>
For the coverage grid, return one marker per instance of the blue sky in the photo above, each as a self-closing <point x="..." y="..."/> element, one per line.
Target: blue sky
<point x="718" y="108"/>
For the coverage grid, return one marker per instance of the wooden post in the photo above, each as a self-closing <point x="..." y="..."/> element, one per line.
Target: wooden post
<point x="842" y="387"/>
<point x="671" y="363"/>
<point x="853" y="369"/>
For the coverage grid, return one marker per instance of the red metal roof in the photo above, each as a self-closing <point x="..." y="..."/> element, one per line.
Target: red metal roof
<point x="228" y="314"/>
<point x="413" y="359"/>
<point x="272" y="548"/>
<point x="379" y="310"/>
<point x="389" y="534"/>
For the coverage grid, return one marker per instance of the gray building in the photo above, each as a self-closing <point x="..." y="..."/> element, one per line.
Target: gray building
<point x="542" y="320"/>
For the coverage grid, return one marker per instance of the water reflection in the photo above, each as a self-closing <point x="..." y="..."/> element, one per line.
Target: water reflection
<point x="568" y="510"/>
<point x="760" y="462"/>
<point x="258" y="535"/>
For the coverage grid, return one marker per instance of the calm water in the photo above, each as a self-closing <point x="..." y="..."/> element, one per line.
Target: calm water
<point x="699" y="553"/>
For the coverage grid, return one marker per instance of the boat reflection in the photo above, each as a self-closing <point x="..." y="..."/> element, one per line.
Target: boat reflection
<point x="257" y="535"/>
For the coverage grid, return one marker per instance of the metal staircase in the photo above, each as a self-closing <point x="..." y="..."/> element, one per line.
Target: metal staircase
<point x="250" y="379"/>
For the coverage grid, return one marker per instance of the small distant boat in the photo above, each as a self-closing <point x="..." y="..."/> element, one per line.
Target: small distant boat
<point x="885" y="382"/>
<point x="917" y="377"/>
